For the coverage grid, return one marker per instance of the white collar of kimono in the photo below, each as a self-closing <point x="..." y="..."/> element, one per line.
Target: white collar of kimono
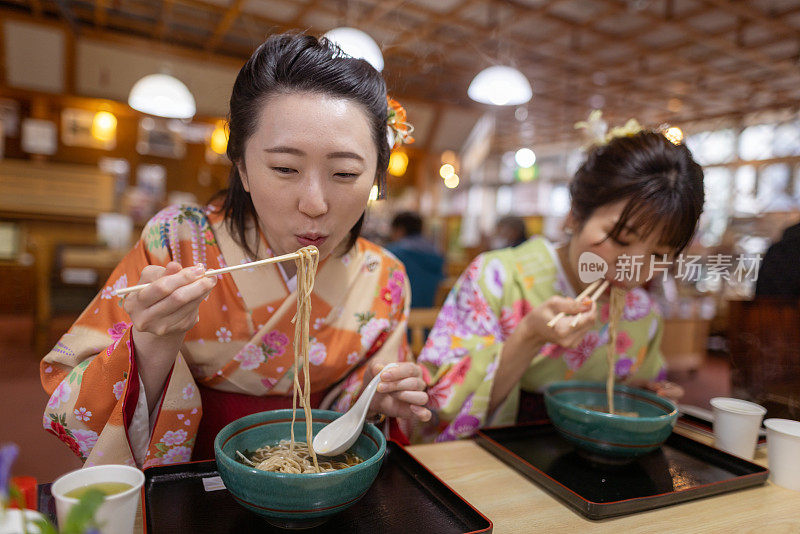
<point x="570" y="291"/>
<point x="291" y="283"/>
<point x="336" y="277"/>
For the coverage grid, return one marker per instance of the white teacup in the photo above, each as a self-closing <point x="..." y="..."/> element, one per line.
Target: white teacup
<point x="736" y="424"/>
<point x="117" y="513"/>
<point x="783" y="451"/>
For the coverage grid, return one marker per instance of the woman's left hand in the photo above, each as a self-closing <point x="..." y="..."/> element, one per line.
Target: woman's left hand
<point x="401" y="392"/>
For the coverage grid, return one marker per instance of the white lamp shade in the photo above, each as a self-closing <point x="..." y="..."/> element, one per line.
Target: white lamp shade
<point x="163" y="96"/>
<point x="501" y="86"/>
<point x="357" y="44"/>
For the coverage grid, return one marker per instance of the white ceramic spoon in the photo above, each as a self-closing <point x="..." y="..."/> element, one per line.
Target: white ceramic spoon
<point x="339" y="435"/>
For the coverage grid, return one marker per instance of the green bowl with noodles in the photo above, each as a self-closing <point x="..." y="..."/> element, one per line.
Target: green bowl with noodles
<point x="641" y="423"/>
<point x="294" y="500"/>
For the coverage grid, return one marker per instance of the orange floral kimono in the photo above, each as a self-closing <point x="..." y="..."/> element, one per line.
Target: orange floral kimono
<point x="242" y="344"/>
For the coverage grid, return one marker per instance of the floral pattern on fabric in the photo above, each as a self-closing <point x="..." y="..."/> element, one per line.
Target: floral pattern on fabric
<point x="238" y="344"/>
<point x="57" y="425"/>
<point x="316" y="353"/>
<point x="485" y="306"/>
<point x="250" y="357"/>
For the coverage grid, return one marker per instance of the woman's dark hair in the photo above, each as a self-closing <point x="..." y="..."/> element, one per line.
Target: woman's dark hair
<point x="296" y="63"/>
<point x="660" y="181"/>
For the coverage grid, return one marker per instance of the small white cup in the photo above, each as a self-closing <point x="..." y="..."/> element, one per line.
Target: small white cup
<point x="736" y="424"/>
<point x="117" y="513"/>
<point x="783" y="451"/>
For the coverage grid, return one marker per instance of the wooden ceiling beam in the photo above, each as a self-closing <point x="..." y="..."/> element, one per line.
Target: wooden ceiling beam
<point x="635" y="77"/>
<point x="436" y="18"/>
<point x="140" y="27"/>
<point x="297" y="21"/>
<point x="639" y="79"/>
<point x="558" y="97"/>
<point x="541" y="97"/>
<point x="433" y="21"/>
<point x="723" y="45"/>
<point x="230" y="16"/>
<point x="643" y="89"/>
<point x="163" y="20"/>
<point x="688" y="71"/>
<point x="378" y="11"/>
<point x="36" y="8"/>
<point x="266" y="21"/>
<point x="101" y="13"/>
<point x="624" y="81"/>
<point x="560" y="69"/>
<point x="521" y="13"/>
<point x="746" y="9"/>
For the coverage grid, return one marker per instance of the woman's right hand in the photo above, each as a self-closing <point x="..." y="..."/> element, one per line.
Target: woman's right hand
<point x="169" y="306"/>
<point x="532" y="333"/>
<point x="534" y="324"/>
<point x="162" y="313"/>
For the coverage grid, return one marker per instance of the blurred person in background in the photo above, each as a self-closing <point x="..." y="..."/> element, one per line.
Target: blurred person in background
<point x="778" y="275"/>
<point x="422" y="260"/>
<point x="509" y="232"/>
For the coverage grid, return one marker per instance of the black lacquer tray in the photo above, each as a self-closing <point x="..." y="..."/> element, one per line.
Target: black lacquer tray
<point x="681" y="470"/>
<point x="405" y="497"/>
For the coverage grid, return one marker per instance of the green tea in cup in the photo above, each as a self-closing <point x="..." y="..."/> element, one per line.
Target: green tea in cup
<point x="108" y="489"/>
<point x="121" y="485"/>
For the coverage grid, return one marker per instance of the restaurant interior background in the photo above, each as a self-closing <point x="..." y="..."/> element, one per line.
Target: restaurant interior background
<point x="81" y="170"/>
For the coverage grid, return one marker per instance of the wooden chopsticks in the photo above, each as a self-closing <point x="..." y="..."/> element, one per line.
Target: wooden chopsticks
<point x="214" y="272"/>
<point x="594" y="298"/>
<point x="596" y="288"/>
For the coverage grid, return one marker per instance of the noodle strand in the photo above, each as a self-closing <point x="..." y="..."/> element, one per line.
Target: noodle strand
<point x="306" y="271"/>
<point x="280" y="458"/>
<point x="615" y="308"/>
<point x="296" y="456"/>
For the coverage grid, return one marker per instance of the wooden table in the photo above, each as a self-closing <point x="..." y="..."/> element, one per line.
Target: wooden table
<point x="516" y="504"/>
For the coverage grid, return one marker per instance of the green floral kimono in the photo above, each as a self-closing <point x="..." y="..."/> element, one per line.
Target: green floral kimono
<point x="487" y="303"/>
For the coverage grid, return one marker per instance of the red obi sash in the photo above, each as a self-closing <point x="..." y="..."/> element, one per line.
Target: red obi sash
<point x="222" y="407"/>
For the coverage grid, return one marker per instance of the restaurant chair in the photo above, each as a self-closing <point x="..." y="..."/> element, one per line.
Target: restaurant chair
<point x="420" y="322"/>
<point x="444" y="289"/>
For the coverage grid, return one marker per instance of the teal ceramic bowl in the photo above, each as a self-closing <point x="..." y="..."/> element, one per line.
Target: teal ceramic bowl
<point x="607" y="435"/>
<point x="294" y="500"/>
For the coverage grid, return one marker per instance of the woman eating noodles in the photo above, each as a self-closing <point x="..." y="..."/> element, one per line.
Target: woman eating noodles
<point x="152" y="377"/>
<point x="511" y="325"/>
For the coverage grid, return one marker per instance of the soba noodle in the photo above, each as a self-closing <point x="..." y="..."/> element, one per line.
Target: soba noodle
<point x="306" y="271"/>
<point x="291" y="456"/>
<point x="281" y="458"/>
<point x="615" y="308"/>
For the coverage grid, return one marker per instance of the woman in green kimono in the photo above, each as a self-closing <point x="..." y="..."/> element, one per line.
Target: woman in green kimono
<point x="635" y="198"/>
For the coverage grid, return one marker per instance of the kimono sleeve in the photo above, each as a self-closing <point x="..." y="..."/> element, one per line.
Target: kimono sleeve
<point x="91" y="374"/>
<point x="462" y="353"/>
